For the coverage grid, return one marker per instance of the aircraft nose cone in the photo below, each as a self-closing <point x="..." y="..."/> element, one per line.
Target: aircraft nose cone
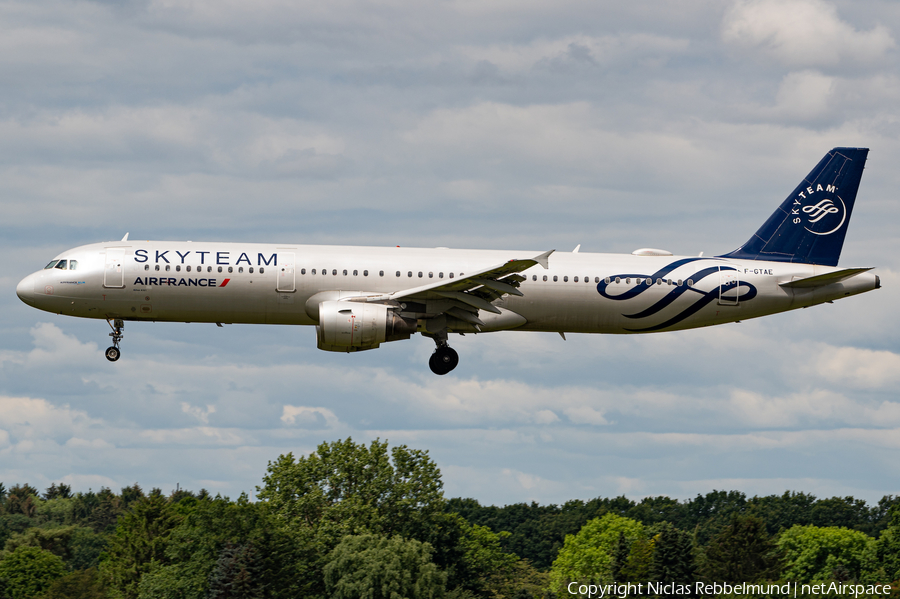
<point x="25" y="290"/>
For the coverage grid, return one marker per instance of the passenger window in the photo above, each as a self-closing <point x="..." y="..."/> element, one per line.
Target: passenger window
<point x="690" y="282"/>
<point x="303" y="271"/>
<point x="534" y="277"/>
<point x="575" y="280"/>
<point x="355" y="273"/>
<point x="365" y="273"/>
<point x="51" y="265"/>
<point x="230" y="269"/>
<point x="431" y="275"/>
<point x="545" y="277"/>
<point x="209" y="269"/>
<point x="240" y="269"/>
<point x="324" y="271"/>
<point x="565" y="279"/>
<point x="345" y="272"/>
<point x="168" y="267"/>
<point x="628" y="281"/>
<point x="555" y="278"/>
<point x="73" y="264"/>
<point x="250" y="270"/>
<point x="618" y="280"/>
<point x="659" y="281"/>
<point x="596" y="279"/>
<point x="261" y="270"/>
<point x="440" y="275"/>
<point x="189" y="269"/>
<point x="380" y="273"/>
<point x="220" y="269"/>
<point x="334" y="271"/>
<point x="679" y="282"/>
<point x="398" y="273"/>
<point x="313" y="271"/>
<point x="420" y="274"/>
<point x="587" y="279"/>
<point x="146" y="267"/>
<point x="607" y="280"/>
<point x="451" y="275"/>
<point x="409" y="274"/>
<point x="61" y="265"/>
<point x="156" y="267"/>
<point x="178" y="268"/>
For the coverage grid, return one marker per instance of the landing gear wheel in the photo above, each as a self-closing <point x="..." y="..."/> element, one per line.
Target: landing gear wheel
<point x="114" y="353"/>
<point x="443" y="360"/>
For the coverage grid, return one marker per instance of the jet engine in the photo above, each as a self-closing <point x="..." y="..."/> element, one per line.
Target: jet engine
<point x="356" y="326"/>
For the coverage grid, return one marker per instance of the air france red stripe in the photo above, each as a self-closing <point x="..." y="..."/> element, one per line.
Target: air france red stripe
<point x="225" y="282"/>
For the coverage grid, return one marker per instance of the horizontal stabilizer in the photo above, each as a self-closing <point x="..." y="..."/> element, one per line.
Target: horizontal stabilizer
<point x="826" y="279"/>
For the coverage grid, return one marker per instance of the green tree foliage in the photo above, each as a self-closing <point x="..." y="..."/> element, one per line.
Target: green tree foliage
<point x="887" y="548"/>
<point x="741" y="552"/>
<point x="138" y="543"/>
<point x="11" y="524"/>
<point x="223" y="547"/>
<point x="673" y="557"/>
<point x="60" y="491"/>
<point x="820" y="554"/>
<point x="237" y="573"/>
<point x="82" y="584"/>
<point x="29" y="571"/>
<point x="484" y="567"/>
<point x="21" y="499"/>
<point x="348" y="489"/>
<point x="377" y="567"/>
<point x="56" y="540"/>
<point x="639" y="561"/>
<point x="538" y="531"/>
<point x="344" y="488"/>
<point x="588" y="555"/>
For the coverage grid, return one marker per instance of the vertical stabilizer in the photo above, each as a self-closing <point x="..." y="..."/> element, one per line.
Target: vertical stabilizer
<point x="810" y="226"/>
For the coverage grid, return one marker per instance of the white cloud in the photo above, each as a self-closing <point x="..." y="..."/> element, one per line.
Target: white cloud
<point x="555" y="53"/>
<point x="805" y="95"/>
<point x="508" y="125"/>
<point x="857" y="367"/>
<point x="307" y="417"/>
<point x="197" y="412"/>
<point x="802" y="33"/>
<point x="585" y="415"/>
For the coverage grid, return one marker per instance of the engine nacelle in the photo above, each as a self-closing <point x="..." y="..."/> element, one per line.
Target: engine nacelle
<point x="357" y="326"/>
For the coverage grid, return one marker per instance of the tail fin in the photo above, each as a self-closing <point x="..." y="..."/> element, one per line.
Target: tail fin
<point x="811" y="224"/>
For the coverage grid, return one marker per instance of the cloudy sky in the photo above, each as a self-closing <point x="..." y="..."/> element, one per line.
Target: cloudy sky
<point x="461" y="123"/>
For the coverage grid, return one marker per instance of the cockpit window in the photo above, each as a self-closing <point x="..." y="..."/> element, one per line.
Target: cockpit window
<point x="51" y="265"/>
<point x="61" y="265"/>
<point x="73" y="264"/>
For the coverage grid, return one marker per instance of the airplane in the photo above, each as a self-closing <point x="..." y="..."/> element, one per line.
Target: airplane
<point x="361" y="297"/>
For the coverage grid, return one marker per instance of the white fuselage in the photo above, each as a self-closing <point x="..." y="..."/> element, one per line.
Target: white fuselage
<point x="272" y="284"/>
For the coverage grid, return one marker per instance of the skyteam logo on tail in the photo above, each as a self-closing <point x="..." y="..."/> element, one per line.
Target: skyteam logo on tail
<point x="819" y="215"/>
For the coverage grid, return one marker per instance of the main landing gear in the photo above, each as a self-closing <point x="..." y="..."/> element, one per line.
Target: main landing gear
<point x="444" y="359"/>
<point x="113" y="353"/>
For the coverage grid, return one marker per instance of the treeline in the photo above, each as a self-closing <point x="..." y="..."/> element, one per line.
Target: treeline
<point x="354" y="520"/>
<point x="537" y="531"/>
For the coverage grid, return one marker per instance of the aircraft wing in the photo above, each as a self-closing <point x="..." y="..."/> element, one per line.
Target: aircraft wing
<point x="468" y="294"/>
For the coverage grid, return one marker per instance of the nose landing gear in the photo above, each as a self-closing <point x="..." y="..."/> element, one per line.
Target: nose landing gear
<point x="444" y="359"/>
<point x="113" y="353"/>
